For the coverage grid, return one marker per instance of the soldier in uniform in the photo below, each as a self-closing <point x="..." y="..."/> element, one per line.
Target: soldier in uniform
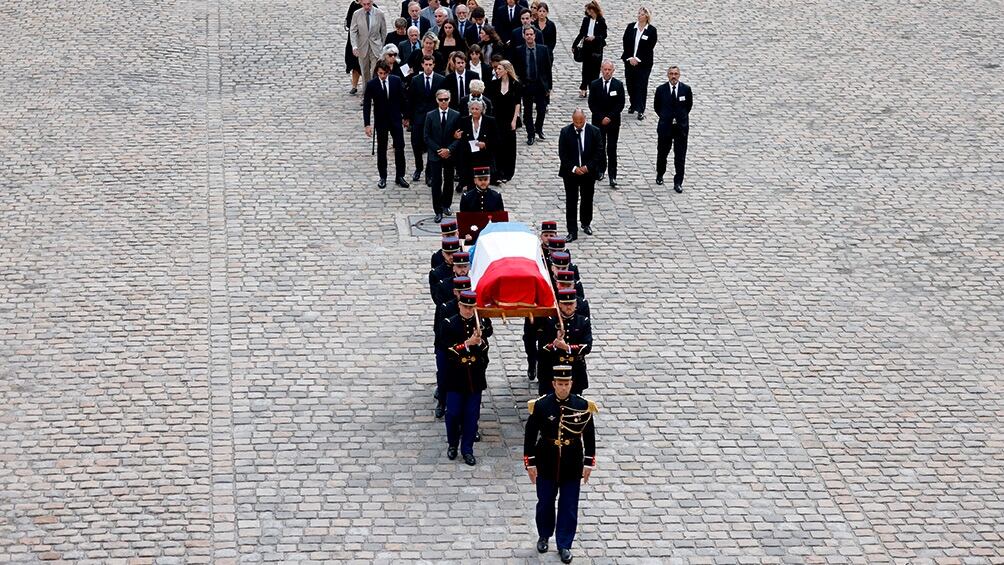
<point x="467" y="360"/>
<point x="447" y="228"/>
<point x="566" y="279"/>
<point x="443" y="311"/>
<point x="562" y="261"/>
<point x="559" y="453"/>
<point x="565" y="342"/>
<point x="481" y="198"/>
<point x="548" y="230"/>
<point x="439" y="293"/>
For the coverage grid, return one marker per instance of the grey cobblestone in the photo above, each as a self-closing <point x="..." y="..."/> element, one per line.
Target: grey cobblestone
<point x="216" y="343"/>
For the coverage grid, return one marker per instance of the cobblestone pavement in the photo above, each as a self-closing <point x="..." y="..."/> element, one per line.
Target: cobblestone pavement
<point x="215" y="341"/>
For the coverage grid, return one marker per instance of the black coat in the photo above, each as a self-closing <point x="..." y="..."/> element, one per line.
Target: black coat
<point x="604" y="105"/>
<point x="544" y="65"/>
<point x="669" y="108"/>
<point x="570" y="421"/>
<point x="595" y="47"/>
<point x="475" y="200"/>
<point x="465" y="366"/>
<point x="578" y="335"/>
<point x="501" y="22"/>
<point x="646" y="47"/>
<point x="568" y="151"/>
<point x="404" y="8"/>
<point x="441" y="282"/>
<point x="387" y="111"/>
<point x="420" y="101"/>
<point x="548" y="36"/>
<point x="437" y="138"/>
<point x="488" y="134"/>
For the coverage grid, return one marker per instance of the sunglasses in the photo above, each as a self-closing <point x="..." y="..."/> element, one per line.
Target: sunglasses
<point x="443" y="99"/>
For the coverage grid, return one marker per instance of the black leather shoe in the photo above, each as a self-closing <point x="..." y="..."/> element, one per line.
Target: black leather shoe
<point x="613" y="182"/>
<point x="601" y="176"/>
<point x="630" y="110"/>
<point x="477" y="437"/>
<point x="677" y="187"/>
<point x="540" y="135"/>
<point x="436" y="393"/>
<point x="382" y="183"/>
<point x="440" y="411"/>
<point x="460" y="188"/>
<point x="451" y="453"/>
<point x="448" y="212"/>
<point x="438" y="218"/>
<point x="428" y="182"/>
<point x="659" y="181"/>
<point x="541" y="545"/>
<point x="530" y="140"/>
<point x="588" y="230"/>
<point x="531" y="372"/>
<point x="571" y="237"/>
<point x="641" y="116"/>
<point x="565" y="555"/>
<point x="470" y="460"/>
<point x="416" y="175"/>
<point x="400" y="181"/>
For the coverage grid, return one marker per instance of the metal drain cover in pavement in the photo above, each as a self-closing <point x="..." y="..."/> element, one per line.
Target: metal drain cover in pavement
<point x="423" y="225"/>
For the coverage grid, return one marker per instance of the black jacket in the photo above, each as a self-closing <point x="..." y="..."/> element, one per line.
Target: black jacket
<point x="488" y="134"/>
<point x="387" y="111"/>
<point x="451" y="85"/>
<point x="579" y="336"/>
<point x="669" y="108"/>
<point x="437" y="138"/>
<point x="646" y="47"/>
<point x="544" y="64"/>
<point x="595" y="47"/>
<point x="476" y="201"/>
<point x="420" y="101"/>
<point x="567" y="422"/>
<point x="604" y="105"/>
<point x="489" y="109"/>
<point x="568" y="151"/>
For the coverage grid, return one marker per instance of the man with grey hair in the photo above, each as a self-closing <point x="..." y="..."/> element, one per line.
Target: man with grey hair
<point x="414" y="17"/>
<point x="441" y="16"/>
<point x="405" y="48"/>
<point x="429" y="14"/>
<point x="606" y="102"/>
<point x="479" y="141"/>
<point x="580" y="153"/>
<point x="367" y="33"/>
<point x="478" y="94"/>
<point x="461" y="11"/>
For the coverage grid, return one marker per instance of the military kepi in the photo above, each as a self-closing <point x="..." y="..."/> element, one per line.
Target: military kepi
<point x="556" y="244"/>
<point x="560" y="258"/>
<point x="461" y="283"/>
<point x="482" y="171"/>
<point x="567" y="295"/>
<point x="448" y="227"/>
<point x="562" y="372"/>
<point x="562" y="276"/>
<point x="451" y="244"/>
<point x="469" y="298"/>
<point x="549" y="226"/>
<point x="461" y="258"/>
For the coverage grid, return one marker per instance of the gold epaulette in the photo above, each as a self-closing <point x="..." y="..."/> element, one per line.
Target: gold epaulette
<point x="592" y="406"/>
<point x="530" y="403"/>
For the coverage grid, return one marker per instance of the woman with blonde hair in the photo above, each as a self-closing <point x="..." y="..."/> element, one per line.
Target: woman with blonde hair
<point x="505" y="93"/>
<point x="588" y="45"/>
<point x="640" y="38"/>
<point x="430" y="46"/>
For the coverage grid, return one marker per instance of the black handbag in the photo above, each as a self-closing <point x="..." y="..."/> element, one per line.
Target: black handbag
<point x="577" y="53"/>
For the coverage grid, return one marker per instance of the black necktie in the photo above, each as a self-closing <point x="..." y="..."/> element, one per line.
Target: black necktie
<point x="367" y="21"/>
<point x="606" y="86"/>
<point x="462" y="25"/>
<point x="674" y="92"/>
<point x="415" y="23"/>
<point x="460" y="86"/>
<point x="531" y="63"/>
<point x="442" y="122"/>
<point x="385" y="91"/>
<point x="510" y="14"/>
<point x="428" y="84"/>
<point x="578" y="135"/>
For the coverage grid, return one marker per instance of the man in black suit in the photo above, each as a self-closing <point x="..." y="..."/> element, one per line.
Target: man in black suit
<point x="606" y="102"/>
<point x="421" y="100"/>
<point x="442" y="137"/>
<point x="472" y="34"/>
<point x="673" y="101"/>
<point x="580" y="152"/>
<point x="506" y="19"/>
<point x="459" y="81"/>
<point x="533" y="65"/>
<point x="415" y="19"/>
<point x="406" y="47"/>
<point x="516" y="37"/>
<point x="385" y="94"/>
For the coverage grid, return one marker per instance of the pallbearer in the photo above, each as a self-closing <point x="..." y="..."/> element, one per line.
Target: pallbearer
<point x="445" y="310"/>
<point x="465" y="336"/>
<point x="559" y="453"/>
<point x="448" y="228"/>
<point x="565" y="342"/>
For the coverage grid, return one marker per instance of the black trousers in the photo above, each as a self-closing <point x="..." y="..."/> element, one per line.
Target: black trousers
<point x="441" y="175"/>
<point x="418" y="143"/>
<point x="610" y="134"/>
<point x="534" y="95"/>
<point x="397" y="134"/>
<point x="590" y="68"/>
<point x="576" y="185"/>
<point x="505" y="156"/>
<point x="636" y="83"/>
<point x="677" y="141"/>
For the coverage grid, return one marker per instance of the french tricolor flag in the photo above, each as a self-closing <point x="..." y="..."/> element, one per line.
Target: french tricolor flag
<point x="507" y="268"/>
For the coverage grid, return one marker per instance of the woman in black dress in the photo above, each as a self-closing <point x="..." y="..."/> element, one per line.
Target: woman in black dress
<point x="351" y="61"/>
<point x="450" y="40"/>
<point x="548" y="31"/>
<point x="590" y="42"/>
<point x="505" y="95"/>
